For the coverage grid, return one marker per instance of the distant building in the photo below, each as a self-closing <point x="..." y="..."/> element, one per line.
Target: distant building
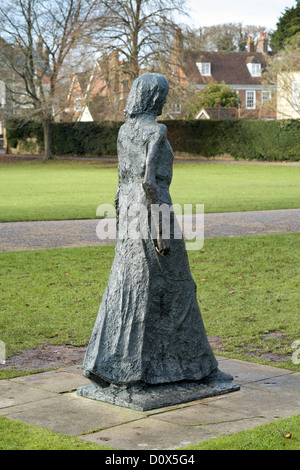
<point x="217" y="113"/>
<point x="241" y="71"/>
<point x="2" y="106"/>
<point x="288" y="95"/>
<point x="99" y="93"/>
<point x="15" y="98"/>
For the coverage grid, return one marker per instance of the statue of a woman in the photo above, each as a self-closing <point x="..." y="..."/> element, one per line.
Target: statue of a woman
<point x="149" y="328"/>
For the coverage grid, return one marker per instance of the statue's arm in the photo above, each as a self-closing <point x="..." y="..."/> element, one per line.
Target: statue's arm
<point x="154" y="147"/>
<point x="117" y="200"/>
<point x="117" y="205"/>
<point x="153" y="153"/>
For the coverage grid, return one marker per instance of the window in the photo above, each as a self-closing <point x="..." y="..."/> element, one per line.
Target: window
<point x="254" y="69"/>
<point x="296" y="94"/>
<point x="77" y="103"/>
<point x="173" y="108"/>
<point x="265" y="96"/>
<point x="204" y="68"/>
<point x="250" y="99"/>
<point x="176" y="108"/>
<point x="2" y="93"/>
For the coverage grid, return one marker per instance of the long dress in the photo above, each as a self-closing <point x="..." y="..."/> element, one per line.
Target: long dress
<point x="149" y="327"/>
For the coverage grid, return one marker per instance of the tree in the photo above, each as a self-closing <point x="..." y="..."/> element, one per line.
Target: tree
<point x="38" y="37"/>
<point x="287" y="27"/>
<point x="138" y="30"/>
<point x="222" y="37"/>
<point x="213" y="95"/>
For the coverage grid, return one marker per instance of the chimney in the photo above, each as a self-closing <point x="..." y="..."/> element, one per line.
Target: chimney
<point x="250" y="45"/>
<point x="114" y="71"/>
<point x="262" y="43"/>
<point x="46" y="54"/>
<point x="178" y="46"/>
<point x="39" y="47"/>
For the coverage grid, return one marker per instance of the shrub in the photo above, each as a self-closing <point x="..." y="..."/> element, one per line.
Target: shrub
<point x="240" y="138"/>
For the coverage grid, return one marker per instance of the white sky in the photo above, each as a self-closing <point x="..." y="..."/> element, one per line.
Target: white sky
<point x="252" y="12"/>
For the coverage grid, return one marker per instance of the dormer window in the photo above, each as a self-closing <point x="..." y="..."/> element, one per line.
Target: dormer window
<point x="254" y="69"/>
<point x="204" y="68"/>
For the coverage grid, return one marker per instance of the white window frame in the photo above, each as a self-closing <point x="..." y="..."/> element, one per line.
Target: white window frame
<point x="254" y="69"/>
<point x="253" y="93"/>
<point x="176" y="108"/>
<point x="77" y="103"/>
<point x="266" y="95"/>
<point x="2" y="94"/>
<point x="204" y="68"/>
<point x="295" y="94"/>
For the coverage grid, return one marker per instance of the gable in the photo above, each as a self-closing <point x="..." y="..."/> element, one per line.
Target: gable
<point x="217" y="113"/>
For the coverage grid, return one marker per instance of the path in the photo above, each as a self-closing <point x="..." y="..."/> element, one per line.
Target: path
<point x="221" y="160"/>
<point x="49" y="400"/>
<point x="16" y="236"/>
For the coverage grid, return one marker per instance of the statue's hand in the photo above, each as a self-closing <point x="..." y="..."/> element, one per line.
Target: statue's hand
<point x="163" y="246"/>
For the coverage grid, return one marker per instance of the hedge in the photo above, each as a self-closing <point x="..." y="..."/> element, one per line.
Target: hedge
<point x="240" y="138"/>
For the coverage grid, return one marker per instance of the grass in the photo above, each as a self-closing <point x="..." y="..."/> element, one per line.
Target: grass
<point x="248" y="289"/>
<point x="32" y="190"/>
<point x="265" y="437"/>
<point x="247" y="286"/>
<point x="15" y="435"/>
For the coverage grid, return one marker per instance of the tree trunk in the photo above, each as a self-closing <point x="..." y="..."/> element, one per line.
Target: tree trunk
<point x="47" y="139"/>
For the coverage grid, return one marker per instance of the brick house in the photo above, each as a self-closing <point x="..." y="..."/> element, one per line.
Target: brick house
<point x="242" y="71"/>
<point x="99" y="93"/>
<point x="2" y="105"/>
<point x="15" y="99"/>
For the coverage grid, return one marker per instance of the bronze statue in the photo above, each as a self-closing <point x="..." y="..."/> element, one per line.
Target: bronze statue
<point x="149" y="334"/>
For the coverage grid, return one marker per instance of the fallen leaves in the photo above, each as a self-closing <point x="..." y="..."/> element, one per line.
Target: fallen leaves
<point x="285" y="435"/>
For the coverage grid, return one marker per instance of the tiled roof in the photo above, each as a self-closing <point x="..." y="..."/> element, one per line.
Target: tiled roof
<point x="230" y="67"/>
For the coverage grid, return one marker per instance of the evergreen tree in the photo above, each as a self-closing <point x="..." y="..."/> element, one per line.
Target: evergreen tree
<point x="213" y="95"/>
<point x="287" y="27"/>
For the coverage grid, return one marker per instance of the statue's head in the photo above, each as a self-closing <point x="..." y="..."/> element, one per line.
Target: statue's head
<point x="147" y="95"/>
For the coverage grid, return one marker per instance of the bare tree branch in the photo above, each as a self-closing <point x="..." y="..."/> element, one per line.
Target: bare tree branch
<point x="38" y="39"/>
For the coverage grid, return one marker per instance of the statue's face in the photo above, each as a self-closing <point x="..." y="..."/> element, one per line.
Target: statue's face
<point x="160" y="107"/>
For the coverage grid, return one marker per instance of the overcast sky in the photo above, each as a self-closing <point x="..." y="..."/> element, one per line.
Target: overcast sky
<point x="253" y="12"/>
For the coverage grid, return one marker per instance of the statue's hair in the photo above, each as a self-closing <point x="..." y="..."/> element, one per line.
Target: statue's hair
<point x="147" y="94"/>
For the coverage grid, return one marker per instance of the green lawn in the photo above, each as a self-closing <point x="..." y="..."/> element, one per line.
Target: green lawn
<point x="283" y="434"/>
<point x="247" y="286"/>
<point x="15" y="435"/>
<point x="33" y="190"/>
<point x="248" y="289"/>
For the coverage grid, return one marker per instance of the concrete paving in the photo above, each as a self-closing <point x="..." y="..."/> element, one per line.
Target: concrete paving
<point x="16" y="236"/>
<point x="49" y="400"/>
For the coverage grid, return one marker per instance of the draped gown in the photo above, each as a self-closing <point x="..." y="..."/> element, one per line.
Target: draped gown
<point x="149" y="327"/>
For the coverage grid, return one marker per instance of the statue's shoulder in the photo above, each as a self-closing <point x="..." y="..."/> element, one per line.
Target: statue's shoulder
<point x="122" y="128"/>
<point x="148" y="129"/>
<point x="155" y="130"/>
